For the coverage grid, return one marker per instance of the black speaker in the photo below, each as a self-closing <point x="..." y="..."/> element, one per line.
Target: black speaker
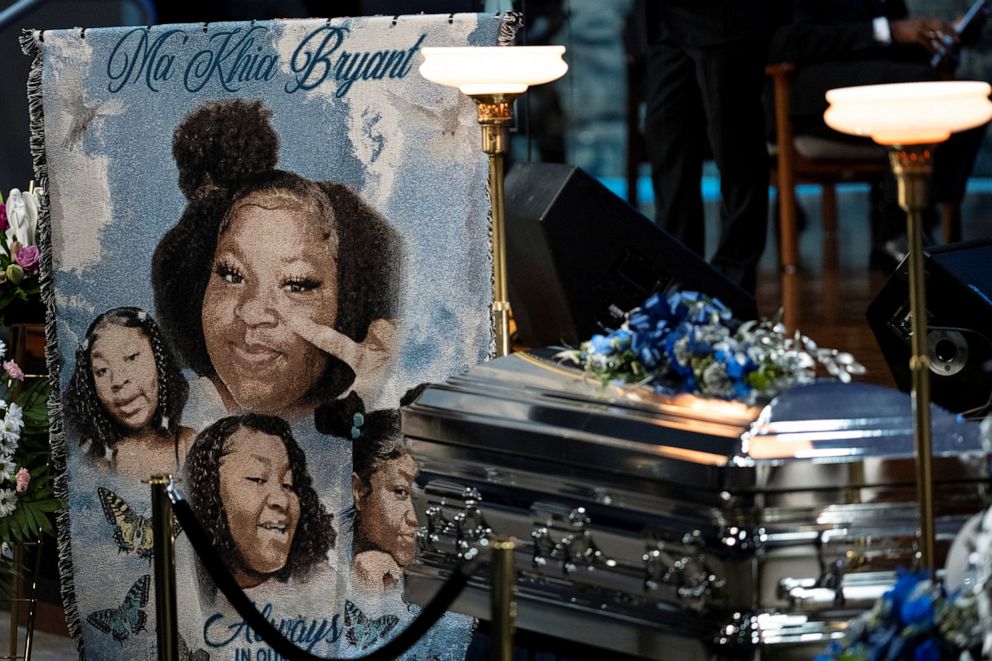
<point x="579" y="257"/>
<point x="959" y="321"/>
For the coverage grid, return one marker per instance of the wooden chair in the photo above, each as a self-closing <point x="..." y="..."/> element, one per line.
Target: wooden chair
<point x="802" y="159"/>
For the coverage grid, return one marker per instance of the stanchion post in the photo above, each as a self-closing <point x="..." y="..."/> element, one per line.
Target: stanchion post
<point x="33" y="600"/>
<point x="164" y="550"/>
<point x="504" y="600"/>
<point x="15" y="597"/>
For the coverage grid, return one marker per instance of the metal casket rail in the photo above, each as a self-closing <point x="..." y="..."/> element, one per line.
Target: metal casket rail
<point x="653" y="523"/>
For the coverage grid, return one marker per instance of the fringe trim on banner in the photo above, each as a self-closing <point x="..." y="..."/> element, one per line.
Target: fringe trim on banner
<point x="512" y="21"/>
<point x="31" y="46"/>
<point x="492" y="271"/>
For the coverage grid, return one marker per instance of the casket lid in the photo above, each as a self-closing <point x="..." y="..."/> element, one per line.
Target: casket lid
<point x="535" y="408"/>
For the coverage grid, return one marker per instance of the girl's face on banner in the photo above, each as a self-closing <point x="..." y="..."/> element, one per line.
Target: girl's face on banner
<point x="273" y="258"/>
<point x="125" y="375"/>
<point x="388" y="519"/>
<point x="258" y="499"/>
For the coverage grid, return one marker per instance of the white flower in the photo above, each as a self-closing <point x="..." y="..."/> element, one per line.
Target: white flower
<point x="10" y="433"/>
<point x="8" y="502"/>
<point x="7" y="468"/>
<point x="3" y="351"/>
<point x="15" y="416"/>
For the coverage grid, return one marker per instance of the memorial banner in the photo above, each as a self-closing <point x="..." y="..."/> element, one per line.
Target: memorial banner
<point x="258" y="238"/>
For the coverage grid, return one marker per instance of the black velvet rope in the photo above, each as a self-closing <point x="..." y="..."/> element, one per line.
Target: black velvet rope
<point x="221" y="576"/>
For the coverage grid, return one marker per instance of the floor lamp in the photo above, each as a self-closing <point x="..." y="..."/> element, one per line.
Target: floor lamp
<point x="494" y="77"/>
<point x="911" y="119"/>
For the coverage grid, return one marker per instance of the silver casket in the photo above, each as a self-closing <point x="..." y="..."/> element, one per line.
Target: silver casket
<point x="676" y="526"/>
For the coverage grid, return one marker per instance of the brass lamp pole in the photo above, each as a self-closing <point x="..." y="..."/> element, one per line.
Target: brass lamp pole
<point x="910" y="119"/>
<point x="494" y="77"/>
<point x="912" y="167"/>
<point x="495" y="113"/>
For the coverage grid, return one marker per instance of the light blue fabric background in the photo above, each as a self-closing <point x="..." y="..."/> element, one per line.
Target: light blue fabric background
<point x="409" y="147"/>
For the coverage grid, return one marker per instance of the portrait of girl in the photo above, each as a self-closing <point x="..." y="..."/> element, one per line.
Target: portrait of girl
<point x="248" y="482"/>
<point x="278" y="291"/>
<point x="384" y="523"/>
<point x="126" y="395"/>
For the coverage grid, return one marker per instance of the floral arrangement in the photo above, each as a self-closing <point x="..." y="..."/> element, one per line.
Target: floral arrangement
<point x="914" y="621"/>
<point x="25" y="488"/>
<point x="19" y="255"/>
<point x="688" y="342"/>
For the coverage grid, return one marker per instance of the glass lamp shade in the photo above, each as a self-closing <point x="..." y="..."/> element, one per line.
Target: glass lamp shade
<point x="909" y="113"/>
<point x="493" y="69"/>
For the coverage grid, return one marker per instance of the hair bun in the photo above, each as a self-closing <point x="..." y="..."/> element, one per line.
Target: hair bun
<point x="220" y="144"/>
<point x="341" y="417"/>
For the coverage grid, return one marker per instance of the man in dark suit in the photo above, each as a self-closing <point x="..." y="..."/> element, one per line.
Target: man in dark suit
<point x="841" y="43"/>
<point x="706" y="63"/>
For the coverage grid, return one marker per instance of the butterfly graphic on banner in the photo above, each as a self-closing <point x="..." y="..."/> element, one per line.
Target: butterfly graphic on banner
<point x="118" y="621"/>
<point x="132" y="532"/>
<point x="362" y="631"/>
<point x="185" y="654"/>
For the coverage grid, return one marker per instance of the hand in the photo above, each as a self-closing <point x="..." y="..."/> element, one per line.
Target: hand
<point x="934" y="34"/>
<point x="376" y="570"/>
<point x="369" y="359"/>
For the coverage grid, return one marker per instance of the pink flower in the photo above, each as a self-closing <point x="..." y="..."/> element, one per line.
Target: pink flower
<point x="3" y="217"/>
<point x="28" y="257"/>
<point x="23" y="480"/>
<point x="13" y="371"/>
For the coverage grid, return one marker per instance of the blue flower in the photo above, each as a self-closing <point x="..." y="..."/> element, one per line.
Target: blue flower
<point x="735" y="367"/>
<point x="918" y="612"/>
<point x="601" y="344"/>
<point x="640" y="321"/>
<point x="904" y="587"/>
<point x="722" y="310"/>
<point x="677" y="307"/>
<point x="649" y="356"/>
<point x="895" y="652"/>
<point x="741" y="390"/>
<point x="657" y="307"/>
<point x="880" y="639"/>
<point x="928" y="650"/>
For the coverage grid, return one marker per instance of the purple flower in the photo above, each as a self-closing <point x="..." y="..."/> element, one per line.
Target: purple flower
<point x="28" y="257"/>
<point x="13" y="371"/>
<point x="3" y="217"/>
<point x="23" y="479"/>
